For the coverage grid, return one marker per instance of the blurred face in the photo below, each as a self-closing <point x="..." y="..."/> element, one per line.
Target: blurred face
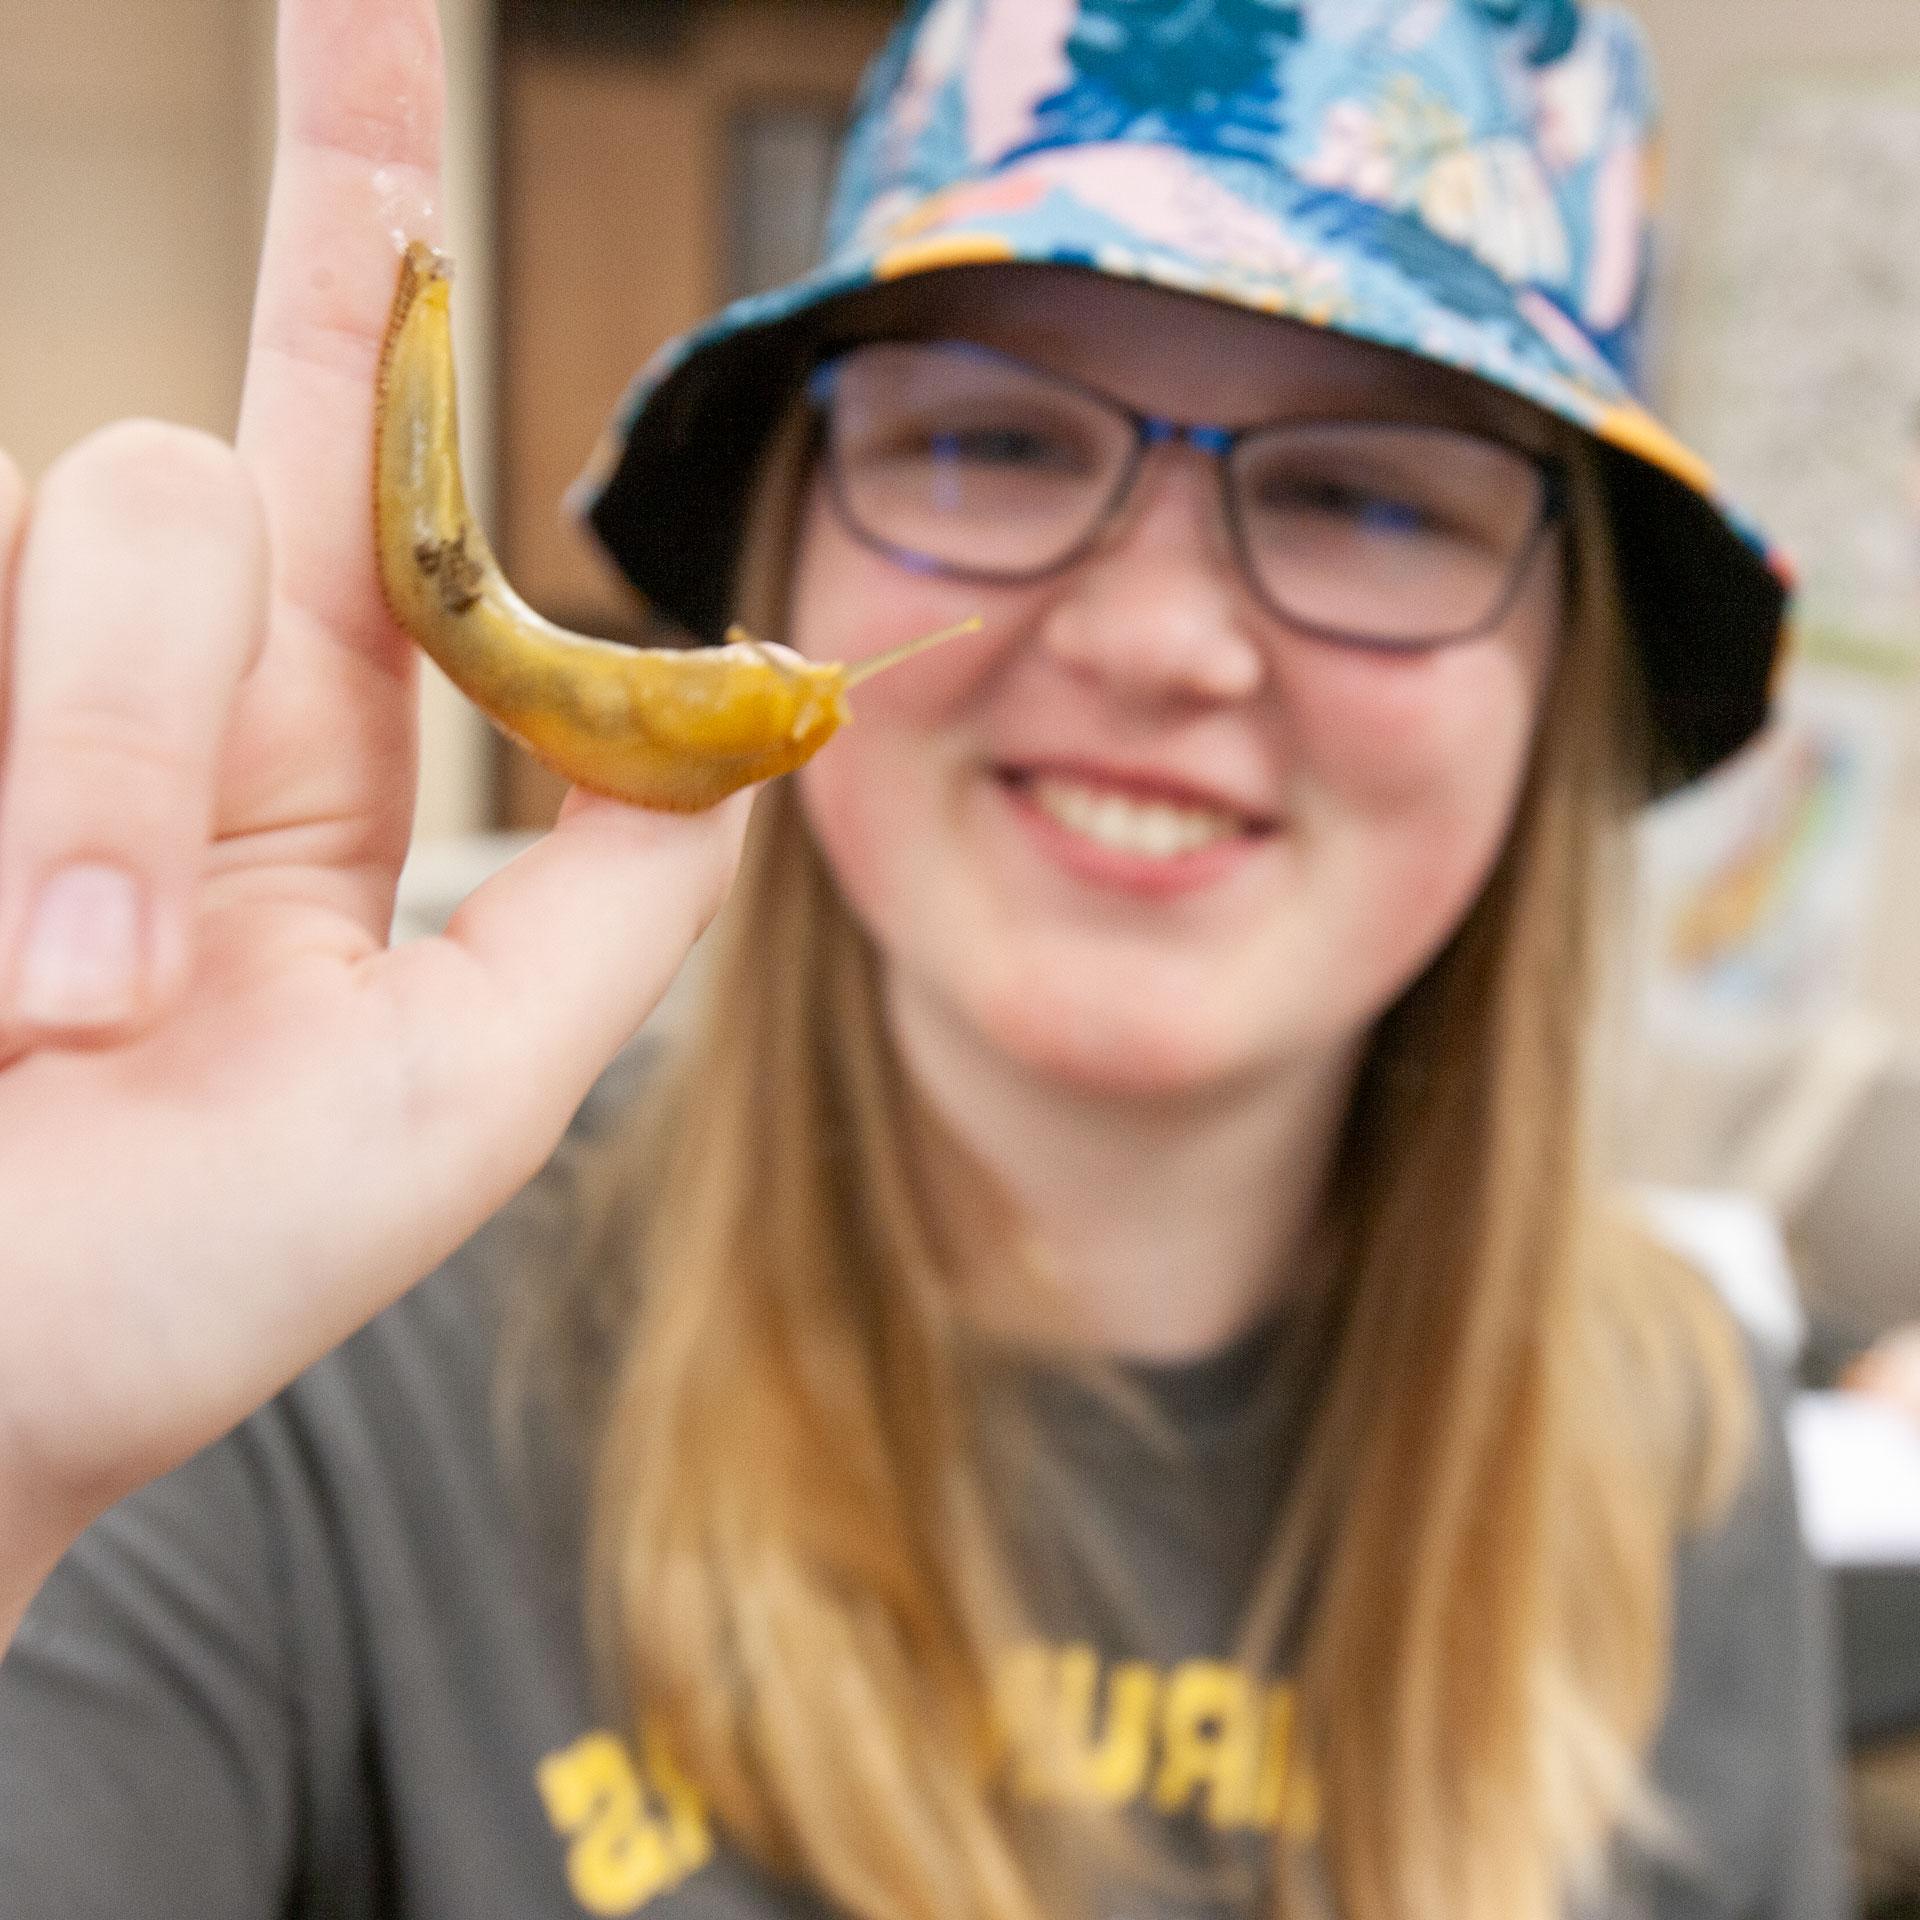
<point x="1143" y="835"/>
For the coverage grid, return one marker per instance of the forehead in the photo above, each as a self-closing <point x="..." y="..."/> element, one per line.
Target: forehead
<point x="1184" y="356"/>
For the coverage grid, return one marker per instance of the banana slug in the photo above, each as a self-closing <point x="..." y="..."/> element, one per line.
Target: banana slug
<point x="672" y="729"/>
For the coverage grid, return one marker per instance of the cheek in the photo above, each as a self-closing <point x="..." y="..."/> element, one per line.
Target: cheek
<point x="874" y="803"/>
<point x="1383" y="734"/>
<point x="1410" y="771"/>
<point x="1450" y="728"/>
<point x="878" y="792"/>
<point x="880" y="795"/>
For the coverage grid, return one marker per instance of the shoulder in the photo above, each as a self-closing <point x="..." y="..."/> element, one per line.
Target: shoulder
<point x="1749" y="1754"/>
<point x="1718" y="1267"/>
<point x="1748" y="1557"/>
<point x="1746" y="1761"/>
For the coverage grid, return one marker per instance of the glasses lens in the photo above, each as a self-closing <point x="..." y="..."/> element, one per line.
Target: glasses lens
<point x="1387" y="533"/>
<point x="952" y="455"/>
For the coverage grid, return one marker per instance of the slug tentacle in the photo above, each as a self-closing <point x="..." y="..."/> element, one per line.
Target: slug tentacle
<point x="673" y="729"/>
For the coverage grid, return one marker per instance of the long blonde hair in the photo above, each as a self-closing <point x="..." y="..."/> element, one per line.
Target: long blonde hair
<point x="794" y="1565"/>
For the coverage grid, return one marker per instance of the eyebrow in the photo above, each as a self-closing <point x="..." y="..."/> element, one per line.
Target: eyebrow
<point x="1463" y="407"/>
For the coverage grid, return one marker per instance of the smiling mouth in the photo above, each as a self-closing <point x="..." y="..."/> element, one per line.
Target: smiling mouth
<point x="1141" y="826"/>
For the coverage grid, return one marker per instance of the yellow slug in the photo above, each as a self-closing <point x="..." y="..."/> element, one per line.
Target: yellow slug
<point x="669" y="728"/>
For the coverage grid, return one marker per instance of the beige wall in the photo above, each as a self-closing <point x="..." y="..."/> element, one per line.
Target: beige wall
<point x="1710" y="52"/>
<point x="124" y="223"/>
<point x="134" y="137"/>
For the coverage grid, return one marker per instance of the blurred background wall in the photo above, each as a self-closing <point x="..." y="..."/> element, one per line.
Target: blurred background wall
<point x="1717" y="63"/>
<point x="135" y="142"/>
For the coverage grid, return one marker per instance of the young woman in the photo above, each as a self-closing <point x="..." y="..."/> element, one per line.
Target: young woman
<point x="1103" y="1376"/>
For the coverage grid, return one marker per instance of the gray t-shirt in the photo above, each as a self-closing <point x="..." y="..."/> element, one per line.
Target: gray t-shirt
<point x="333" y="1667"/>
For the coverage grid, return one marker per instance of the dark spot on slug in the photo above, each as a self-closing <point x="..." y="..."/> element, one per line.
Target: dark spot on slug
<point x="452" y="569"/>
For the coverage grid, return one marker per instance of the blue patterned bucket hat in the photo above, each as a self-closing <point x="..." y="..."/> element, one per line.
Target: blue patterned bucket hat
<point x="1465" y="180"/>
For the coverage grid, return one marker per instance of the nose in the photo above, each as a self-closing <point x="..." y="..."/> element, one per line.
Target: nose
<point x="1156" y="611"/>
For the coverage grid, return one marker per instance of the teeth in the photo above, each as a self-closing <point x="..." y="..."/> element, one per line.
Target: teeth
<point x="1151" y="828"/>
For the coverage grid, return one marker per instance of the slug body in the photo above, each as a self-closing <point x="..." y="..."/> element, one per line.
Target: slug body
<point x="664" y="728"/>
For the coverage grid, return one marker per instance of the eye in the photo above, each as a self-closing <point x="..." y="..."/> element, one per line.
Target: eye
<point x="1366" y="508"/>
<point x="1037" y="448"/>
<point x="1391" y="486"/>
<point x="1386" y="509"/>
<point x="1002" y="447"/>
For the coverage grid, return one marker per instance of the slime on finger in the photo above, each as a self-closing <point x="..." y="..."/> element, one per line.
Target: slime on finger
<point x="672" y="729"/>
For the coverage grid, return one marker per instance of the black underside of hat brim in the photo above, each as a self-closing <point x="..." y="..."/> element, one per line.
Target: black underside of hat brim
<point x="1707" y="614"/>
<point x="674" y="511"/>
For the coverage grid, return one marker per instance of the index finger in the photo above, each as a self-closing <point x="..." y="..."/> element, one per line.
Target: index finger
<point x="356" y="175"/>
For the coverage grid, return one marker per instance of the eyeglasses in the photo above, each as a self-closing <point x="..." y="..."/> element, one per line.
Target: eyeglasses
<point x="957" y="460"/>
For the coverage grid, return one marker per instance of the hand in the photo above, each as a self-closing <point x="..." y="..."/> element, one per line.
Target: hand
<point x="233" y="1123"/>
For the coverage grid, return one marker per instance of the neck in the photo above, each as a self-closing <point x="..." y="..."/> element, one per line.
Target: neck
<point x="1154" y="1228"/>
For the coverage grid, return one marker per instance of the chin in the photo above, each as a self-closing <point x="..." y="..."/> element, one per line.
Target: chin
<point x="1140" y="1052"/>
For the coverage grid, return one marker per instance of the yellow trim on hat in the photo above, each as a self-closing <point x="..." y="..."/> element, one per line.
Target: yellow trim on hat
<point x="947" y="250"/>
<point x="1635" y="430"/>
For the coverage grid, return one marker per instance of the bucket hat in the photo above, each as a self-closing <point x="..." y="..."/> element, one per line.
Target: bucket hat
<point x="1464" y="180"/>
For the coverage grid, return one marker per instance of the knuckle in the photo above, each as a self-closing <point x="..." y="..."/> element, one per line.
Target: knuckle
<point x="98" y="783"/>
<point x="98" y="747"/>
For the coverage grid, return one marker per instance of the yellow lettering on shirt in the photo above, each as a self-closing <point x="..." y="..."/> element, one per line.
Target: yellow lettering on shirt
<point x="634" y="1833"/>
<point x="1201" y="1736"/>
<point x="1210" y="1743"/>
<point x="1109" y="1767"/>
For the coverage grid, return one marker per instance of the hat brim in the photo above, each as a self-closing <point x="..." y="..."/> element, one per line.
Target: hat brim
<point x="1707" y="600"/>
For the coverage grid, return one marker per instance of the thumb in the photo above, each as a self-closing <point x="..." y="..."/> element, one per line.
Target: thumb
<point x="580" y="936"/>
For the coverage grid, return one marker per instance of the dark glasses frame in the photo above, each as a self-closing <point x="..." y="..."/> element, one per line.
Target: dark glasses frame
<point x="1220" y="443"/>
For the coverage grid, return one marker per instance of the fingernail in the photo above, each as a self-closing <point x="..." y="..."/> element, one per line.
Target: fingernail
<point x="81" y="965"/>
